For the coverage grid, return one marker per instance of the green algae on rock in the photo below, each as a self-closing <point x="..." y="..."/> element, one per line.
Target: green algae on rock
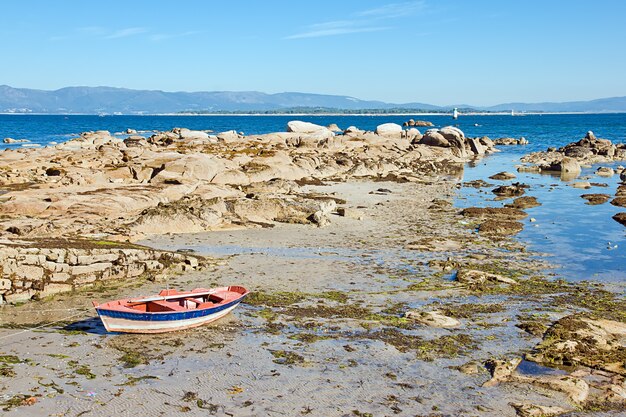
<point x="579" y="340"/>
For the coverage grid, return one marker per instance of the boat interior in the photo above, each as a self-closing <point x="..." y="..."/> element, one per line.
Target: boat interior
<point x="178" y="304"/>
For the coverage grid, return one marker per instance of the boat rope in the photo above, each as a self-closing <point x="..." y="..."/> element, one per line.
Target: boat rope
<point x="30" y="329"/>
<point x="56" y="309"/>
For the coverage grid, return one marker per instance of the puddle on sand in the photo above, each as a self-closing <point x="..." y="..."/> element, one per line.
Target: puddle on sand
<point x="575" y="234"/>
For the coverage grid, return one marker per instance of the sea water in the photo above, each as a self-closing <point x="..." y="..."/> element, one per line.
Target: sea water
<point x="541" y="130"/>
<point x="583" y="240"/>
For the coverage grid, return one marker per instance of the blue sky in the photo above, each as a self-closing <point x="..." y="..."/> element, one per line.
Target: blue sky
<point x="442" y="52"/>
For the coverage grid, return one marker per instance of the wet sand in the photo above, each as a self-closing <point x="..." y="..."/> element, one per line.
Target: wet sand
<point x="321" y="335"/>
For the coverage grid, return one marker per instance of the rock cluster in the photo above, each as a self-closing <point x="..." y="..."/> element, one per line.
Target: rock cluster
<point x="511" y="141"/>
<point x="593" y="347"/>
<point x="188" y="181"/>
<point x="11" y="140"/>
<point x="417" y="123"/>
<point x="568" y="159"/>
<point x="37" y="269"/>
<point x="179" y="181"/>
<point x="454" y="139"/>
<point x="499" y="221"/>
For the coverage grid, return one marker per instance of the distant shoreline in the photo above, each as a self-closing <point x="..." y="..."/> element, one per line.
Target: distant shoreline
<point x="521" y="114"/>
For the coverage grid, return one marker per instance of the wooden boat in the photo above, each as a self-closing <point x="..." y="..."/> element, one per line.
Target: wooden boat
<point x="170" y="310"/>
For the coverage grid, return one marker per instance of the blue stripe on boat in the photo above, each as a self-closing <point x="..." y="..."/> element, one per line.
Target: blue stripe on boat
<point x="166" y="316"/>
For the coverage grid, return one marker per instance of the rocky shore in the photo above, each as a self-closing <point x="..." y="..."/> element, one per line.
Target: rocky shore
<point x="404" y="305"/>
<point x="98" y="187"/>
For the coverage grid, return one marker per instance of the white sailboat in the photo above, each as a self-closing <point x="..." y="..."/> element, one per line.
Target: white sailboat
<point x="455" y="114"/>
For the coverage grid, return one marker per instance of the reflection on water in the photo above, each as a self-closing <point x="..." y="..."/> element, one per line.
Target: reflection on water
<point x="584" y="241"/>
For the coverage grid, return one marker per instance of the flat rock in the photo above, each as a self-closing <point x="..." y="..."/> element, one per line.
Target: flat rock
<point x="350" y="213"/>
<point x="524" y="203"/>
<point x="513" y="190"/>
<point x="575" y="388"/>
<point x="469" y="368"/>
<point x="595" y="199"/>
<point x="581" y="184"/>
<point x="619" y="201"/>
<point x="535" y="410"/>
<point x="503" y="176"/>
<point x="500" y="227"/>
<point x="473" y="277"/>
<point x="581" y="341"/>
<point x="620" y="218"/>
<point x="605" y="172"/>
<point x="433" y="319"/>
<point x="494" y="213"/>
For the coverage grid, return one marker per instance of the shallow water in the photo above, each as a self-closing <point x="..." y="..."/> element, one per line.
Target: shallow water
<point x="583" y="240"/>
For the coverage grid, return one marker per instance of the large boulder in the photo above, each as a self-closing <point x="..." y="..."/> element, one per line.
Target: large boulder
<point x="228" y="136"/>
<point x="433" y="138"/>
<point x="186" y="134"/>
<point x="487" y="142"/>
<point x="451" y="132"/>
<point x="297" y="126"/>
<point x="353" y="131"/>
<point x="566" y="165"/>
<point x="389" y="129"/>
<point x="456" y="138"/>
<point x="413" y="135"/>
<point x="476" y="147"/>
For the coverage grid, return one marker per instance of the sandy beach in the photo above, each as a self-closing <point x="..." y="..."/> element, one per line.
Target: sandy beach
<point x="297" y="348"/>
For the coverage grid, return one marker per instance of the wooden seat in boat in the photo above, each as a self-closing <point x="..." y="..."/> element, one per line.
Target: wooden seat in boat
<point x="165" y="306"/>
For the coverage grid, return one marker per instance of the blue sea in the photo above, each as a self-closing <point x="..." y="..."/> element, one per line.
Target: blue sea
<point x="583" y="240"/>
<point x="541" y="130"/>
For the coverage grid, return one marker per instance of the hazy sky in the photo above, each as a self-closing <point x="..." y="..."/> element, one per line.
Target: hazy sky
<point x="434" y="51"/>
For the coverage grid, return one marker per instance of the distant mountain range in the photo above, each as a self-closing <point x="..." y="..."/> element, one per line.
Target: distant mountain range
<point x="110" y="100"/>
